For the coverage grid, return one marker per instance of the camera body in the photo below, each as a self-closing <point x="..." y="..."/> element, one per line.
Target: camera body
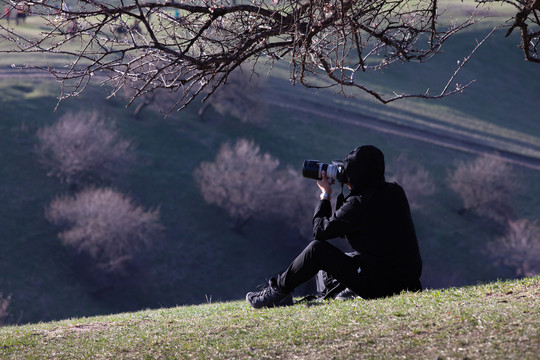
<point x="313" y="170"/>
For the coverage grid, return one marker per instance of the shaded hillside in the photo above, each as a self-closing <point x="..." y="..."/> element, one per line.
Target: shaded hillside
<point x="199" y="256"/>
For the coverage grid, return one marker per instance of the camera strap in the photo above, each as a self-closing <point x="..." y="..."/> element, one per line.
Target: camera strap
<point x="340" y="199"/>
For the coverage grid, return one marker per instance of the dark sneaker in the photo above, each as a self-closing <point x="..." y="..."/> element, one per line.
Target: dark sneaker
<point x="345" y="295"/>
<point x="270" y="296"/>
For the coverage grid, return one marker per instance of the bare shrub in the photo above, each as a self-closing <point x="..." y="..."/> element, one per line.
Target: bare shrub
<point x="239" y="180"/>
<point x="104" y="224"/>
<point x="296" y="200"/>
<point x="159" y="99"/>
<point x="415" y="180"/>
<point x="519" y="248"/>
<point x="4" y="304"/>
<point x="239" y="96"/>
<point x="485" y="185"/>
<point x="248" y="184"/>
<point x="82" y="147"/>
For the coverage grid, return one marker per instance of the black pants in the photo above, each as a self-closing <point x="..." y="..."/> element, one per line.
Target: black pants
<point x="320" y="255"/>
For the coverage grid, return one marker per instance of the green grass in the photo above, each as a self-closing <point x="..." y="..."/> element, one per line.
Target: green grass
<point x="500" y="320"/>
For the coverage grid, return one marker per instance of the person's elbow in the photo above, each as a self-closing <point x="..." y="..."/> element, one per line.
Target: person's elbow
<point x="320" y="234"/>
<point x="324" y="229"/>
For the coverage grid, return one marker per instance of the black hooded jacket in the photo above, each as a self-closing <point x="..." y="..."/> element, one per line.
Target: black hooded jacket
<point x="376" y="220"/>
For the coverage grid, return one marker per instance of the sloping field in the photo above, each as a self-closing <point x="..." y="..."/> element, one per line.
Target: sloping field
<point x="500" y="320"/>
<point x="199" y="257"/>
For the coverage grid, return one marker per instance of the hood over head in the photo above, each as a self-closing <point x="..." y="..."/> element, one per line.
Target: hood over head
<point x="364" y="167"/>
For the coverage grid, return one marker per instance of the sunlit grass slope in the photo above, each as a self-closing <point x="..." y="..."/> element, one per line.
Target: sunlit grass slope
<point x="500" y="320"/>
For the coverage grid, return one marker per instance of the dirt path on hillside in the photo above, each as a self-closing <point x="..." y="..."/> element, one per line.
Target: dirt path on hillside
<point x="459" y="142"/>
<point x="452" y="141"/>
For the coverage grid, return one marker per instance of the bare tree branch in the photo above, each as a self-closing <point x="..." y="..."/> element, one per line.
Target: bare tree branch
<point x="192" y="46"/>
<point x="527" y="20"/>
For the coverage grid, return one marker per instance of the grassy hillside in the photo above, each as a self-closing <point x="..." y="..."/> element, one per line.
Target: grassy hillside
<point x="199" y="257"/>
<point x="500" y="320"/>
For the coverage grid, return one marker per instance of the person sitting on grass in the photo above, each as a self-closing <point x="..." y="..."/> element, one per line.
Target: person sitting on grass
<point x="376" y="220"/>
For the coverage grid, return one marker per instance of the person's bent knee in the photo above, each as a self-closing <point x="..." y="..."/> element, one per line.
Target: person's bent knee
<point x="316" y="246"/>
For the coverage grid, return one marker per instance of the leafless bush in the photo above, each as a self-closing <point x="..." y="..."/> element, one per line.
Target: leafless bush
<point x="82" y="147"/>
<point x="519" y="248"/>
<point x="415" y="180"/>
<point x="239" y="96"/>
<point x="4" y="304"/>
<point x="485" y="185"/>
<point x="296" y="201"/>
<point x="239" y="180"/>
<point x="248" y="184"/>
<point x="160" y="100"/>
<point x="104" y="224"/>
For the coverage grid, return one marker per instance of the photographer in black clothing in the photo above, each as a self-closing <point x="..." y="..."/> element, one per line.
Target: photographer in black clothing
<point x="375" y="219"/>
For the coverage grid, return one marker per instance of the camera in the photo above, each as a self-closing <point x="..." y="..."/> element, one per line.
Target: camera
<point x="313" y="170"/>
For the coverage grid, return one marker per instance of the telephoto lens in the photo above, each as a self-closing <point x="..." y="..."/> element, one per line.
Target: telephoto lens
<point x="313" y="170"/>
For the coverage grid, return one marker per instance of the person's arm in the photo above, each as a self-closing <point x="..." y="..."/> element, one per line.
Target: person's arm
<point x="325" y="186"/>
<point x="327" y="226"/>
